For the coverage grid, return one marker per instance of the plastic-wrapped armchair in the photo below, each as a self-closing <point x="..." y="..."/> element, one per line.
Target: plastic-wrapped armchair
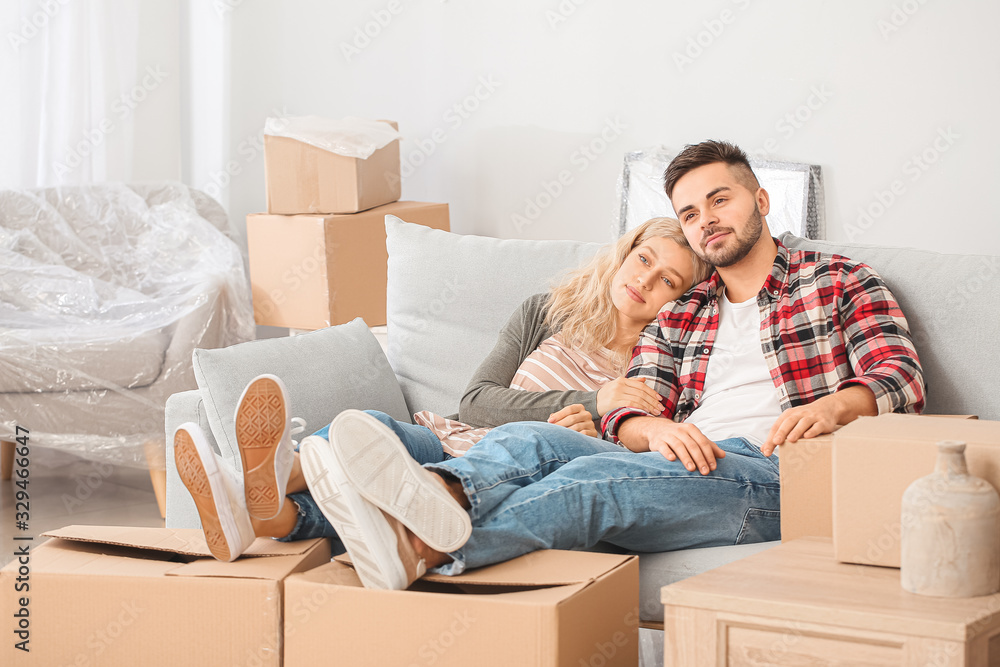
<point x="105" y="290"/>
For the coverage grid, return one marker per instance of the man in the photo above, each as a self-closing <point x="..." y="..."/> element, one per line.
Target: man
<point x="777" y="345"/>
<point x="833" y="345"/>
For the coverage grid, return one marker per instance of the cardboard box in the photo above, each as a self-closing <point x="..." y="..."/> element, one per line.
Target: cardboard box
<point x="301" y="178"/>
<point x="315" y="271"/>
<point x="547" y="608"/>
<point x="806" y="471"/>
<point x="876" y="458"/>
<point x="807" y="485"/>
<point x="112" y="595"/>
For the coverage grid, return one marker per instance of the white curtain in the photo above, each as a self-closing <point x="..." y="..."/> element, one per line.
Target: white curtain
<point x="90" y="87"/>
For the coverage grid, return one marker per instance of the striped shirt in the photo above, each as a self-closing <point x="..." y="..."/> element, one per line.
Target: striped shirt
<point x="826" y="323"/>
<point x="552" y="366"/>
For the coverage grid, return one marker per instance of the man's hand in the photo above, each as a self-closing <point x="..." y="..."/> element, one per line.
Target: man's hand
<point x="683" y="442"/>
<point x="577" y="418"/>
<point x="821" y="416"/>
<point x="628" y="393"/>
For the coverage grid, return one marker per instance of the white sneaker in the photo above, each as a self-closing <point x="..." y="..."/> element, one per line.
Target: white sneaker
<point x="263" y="436"/>
<point x="379" y="548"/>
<point x="217" y="494"/>
<point x="379" y="466"/>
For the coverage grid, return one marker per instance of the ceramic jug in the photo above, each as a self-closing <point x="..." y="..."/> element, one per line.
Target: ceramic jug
<point x="951" y="530"/>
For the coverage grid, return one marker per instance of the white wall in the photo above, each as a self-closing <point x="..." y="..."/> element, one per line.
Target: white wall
<point x="563" y="71"/>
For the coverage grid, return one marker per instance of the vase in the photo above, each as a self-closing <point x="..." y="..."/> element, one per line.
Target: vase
<point x="951" y="530"/>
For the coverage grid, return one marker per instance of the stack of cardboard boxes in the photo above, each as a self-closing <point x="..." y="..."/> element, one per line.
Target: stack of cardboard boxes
<point x="318" y="256"/>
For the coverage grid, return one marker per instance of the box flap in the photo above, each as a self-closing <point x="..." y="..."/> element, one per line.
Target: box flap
<point x="187" y="541"/>
<point x="923" y="429"/>
<point x="95" y="559"/>
<point x="549" y="567"/>
<point x="276" y="567"/>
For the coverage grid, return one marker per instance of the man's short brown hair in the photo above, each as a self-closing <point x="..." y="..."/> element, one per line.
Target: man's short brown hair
<point x="709" y="152"/>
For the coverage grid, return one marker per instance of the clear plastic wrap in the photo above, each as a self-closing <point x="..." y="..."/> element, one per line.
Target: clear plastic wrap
<point x="350" y="137"/>
<point x="796" y="192"/>
<point x="105" y="290"/>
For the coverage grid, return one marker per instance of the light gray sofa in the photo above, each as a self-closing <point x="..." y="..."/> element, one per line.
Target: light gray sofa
<point x="448" y="296"/>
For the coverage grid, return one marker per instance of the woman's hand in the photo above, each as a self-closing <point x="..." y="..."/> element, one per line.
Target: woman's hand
<point x="628" y="393"/>
<point x="577" y="418"/>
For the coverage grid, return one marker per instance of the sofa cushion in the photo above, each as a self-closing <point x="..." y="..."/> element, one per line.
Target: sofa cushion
<point x="951" y="304"/>
<point x="447" y="297"/>
<point x="81" y="358"/>
<point x="326" y="371"/>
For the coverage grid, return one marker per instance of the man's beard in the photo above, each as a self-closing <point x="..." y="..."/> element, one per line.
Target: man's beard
<point x="726" y="257"/>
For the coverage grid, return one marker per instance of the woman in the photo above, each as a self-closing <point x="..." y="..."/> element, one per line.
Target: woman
<point x="559" y="359"/>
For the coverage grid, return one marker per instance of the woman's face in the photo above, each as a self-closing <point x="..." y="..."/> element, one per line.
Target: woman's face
<point x="655" y="272"/>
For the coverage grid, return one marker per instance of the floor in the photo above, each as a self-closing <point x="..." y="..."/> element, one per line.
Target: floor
<point x="64" y="490"/>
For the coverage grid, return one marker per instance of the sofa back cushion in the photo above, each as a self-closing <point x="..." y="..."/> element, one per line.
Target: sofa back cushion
<point x="447" y="297"/>
<point x="953" y="308"/>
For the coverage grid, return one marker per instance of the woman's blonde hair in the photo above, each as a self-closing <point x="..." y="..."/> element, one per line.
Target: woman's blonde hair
<point x="580" y="306"/>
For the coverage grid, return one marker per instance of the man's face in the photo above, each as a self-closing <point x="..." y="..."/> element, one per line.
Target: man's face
<point x="719" y="214"/>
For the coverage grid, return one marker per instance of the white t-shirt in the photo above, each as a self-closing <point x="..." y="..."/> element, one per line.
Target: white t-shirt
<point x="739" y="399"/>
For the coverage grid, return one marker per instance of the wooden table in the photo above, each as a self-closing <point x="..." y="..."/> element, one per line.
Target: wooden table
<point x="795" y="605"/>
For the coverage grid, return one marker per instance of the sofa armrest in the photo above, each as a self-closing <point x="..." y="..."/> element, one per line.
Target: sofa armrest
<point x="186" y="406"/>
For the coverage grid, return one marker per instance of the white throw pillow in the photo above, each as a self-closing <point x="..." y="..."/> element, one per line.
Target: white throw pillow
<point x="449" y="294"/>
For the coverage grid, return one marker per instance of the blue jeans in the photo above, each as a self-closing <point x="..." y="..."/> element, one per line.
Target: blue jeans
<point x="539" y="486"/>
<point x="424" y="447"/>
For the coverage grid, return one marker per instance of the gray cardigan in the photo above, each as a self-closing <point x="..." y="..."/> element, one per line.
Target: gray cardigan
<point x="489" y="400"/>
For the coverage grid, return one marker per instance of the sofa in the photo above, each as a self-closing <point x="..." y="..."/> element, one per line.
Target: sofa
<point x="449" y="294"/>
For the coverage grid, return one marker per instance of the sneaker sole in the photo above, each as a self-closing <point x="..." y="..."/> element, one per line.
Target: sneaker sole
<point x="380" y="467"/>
<point x="261" y="419"/>
<point x="365" y="533"/>
<point x="199" y="474"/>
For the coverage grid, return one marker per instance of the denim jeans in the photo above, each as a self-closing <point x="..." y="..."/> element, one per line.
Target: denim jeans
<point x="539" y="486"/>
<point x="424" y="447"/>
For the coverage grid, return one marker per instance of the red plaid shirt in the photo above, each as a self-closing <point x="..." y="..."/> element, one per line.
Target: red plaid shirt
<point x="825" y="323"/>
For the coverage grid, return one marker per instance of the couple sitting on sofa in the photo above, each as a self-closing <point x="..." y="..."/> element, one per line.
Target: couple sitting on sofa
<point x="774" y="345"/>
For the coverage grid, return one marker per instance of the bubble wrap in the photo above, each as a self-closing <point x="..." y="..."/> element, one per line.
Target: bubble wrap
<point x="105" y="290"/>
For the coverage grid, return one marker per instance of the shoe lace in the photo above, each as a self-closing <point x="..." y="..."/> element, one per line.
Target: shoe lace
<point x="299" y="427"/>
